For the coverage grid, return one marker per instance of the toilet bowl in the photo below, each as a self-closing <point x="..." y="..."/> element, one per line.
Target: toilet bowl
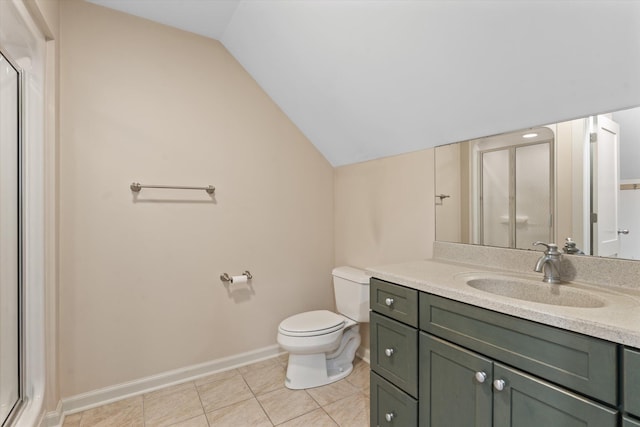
<point x="323" y="344"/>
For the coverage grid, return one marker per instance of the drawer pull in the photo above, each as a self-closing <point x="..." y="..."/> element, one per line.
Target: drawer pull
<point x="499" y="385"/>
<point x="389" y="352"/>
<point x="481" y="376"/>
<point x="389" y="302"/>
<point x="389" y="416"/>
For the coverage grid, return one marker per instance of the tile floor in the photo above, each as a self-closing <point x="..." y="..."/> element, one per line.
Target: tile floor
<point x="252" y="395"/>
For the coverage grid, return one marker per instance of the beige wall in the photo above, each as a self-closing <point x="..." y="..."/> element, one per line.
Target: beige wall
<point x="448" y="175"/>
<point x="384" y="212"/>
<point x="139" y="286"/>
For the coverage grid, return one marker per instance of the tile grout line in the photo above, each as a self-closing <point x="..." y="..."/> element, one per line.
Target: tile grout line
<point x="329" y="415"/>
<point x="270" y="391"/>
<point x="202" y="404"/>
<point x="226" y="406"/>
<point x="144" y="416"/>
<point x="256" y="398"/>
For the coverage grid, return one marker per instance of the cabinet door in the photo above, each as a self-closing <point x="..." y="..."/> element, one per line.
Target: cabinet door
<point x="450" y="394"/>
<point x="631" y="381"/>
<point x="526" y="401"/>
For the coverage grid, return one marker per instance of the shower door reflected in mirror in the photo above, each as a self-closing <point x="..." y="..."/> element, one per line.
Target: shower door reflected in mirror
<point x="497" y="191"/>
<point x="10" y="244"/>
<point x="595" y="181"/>
<point x="516" y="194"/>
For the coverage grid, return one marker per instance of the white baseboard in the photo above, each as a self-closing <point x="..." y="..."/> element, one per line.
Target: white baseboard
<point x="363" y="353"/>
<point x="92" y="399"/>
<point x="53" y="418"/>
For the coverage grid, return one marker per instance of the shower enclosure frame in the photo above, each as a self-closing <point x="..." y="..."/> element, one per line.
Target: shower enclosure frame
<point x="24" y="40"/>
<point x="14" y="412"/>
<point x="512" y="196"/>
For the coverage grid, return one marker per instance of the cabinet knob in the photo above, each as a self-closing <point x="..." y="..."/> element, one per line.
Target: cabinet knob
<point x="481" y="376"/>
<point x="389" y="416"/>
<point x="389" y="352"/>
<point x="389" y="302"/>
<point x="499" y="385"/>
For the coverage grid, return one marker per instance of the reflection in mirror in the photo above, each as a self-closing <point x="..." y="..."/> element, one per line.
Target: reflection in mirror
<point x="575" y="180"/>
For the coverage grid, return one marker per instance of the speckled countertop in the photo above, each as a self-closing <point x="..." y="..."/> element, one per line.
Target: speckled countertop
<point x="615" y="315"/>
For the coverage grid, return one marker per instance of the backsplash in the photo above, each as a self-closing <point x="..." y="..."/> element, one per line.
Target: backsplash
<point x="588" y="269"/>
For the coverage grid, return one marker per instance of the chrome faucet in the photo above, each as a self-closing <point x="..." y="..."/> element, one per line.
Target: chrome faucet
<point x="549" y="262"/>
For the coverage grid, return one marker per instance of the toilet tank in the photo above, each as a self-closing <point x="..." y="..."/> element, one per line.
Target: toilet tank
<point x="351" y="287"/>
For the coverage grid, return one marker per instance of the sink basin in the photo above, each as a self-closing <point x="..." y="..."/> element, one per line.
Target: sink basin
<point x="539" y="292"/>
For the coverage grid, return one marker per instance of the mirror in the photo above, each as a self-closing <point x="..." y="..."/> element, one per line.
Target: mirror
<point x="575" y="180"/>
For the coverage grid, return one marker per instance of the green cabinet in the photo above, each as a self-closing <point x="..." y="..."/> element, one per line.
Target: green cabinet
<point x="472" y="367"/>
<point x="459" y="388"/>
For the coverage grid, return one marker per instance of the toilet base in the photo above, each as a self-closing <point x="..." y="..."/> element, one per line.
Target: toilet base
<point x="310" y="370"/>
<point x="315" y="370"/>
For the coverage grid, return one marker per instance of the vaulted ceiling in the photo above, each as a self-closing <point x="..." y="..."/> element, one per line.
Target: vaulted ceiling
<point x="364" y="79"/>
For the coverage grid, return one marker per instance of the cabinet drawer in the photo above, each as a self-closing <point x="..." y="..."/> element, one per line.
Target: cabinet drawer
<point x="390" y="406"/>
<point x="631" y="381"/>
<point x="394" y="352"/>
<point x="584" y="364"/>
<point x="394" y="301"/>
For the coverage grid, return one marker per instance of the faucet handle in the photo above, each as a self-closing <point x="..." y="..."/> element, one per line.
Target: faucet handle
<point x="552" y="248"/>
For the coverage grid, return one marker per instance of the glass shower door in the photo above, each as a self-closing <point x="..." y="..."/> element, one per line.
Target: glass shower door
<point x="495" y="199"/>
<point x="533" y="192"/>
<point x="516" y="195"/>
<point x="10" y="242"/>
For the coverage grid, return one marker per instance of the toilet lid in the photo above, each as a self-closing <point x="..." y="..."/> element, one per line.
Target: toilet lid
<point x="312" y="323"/>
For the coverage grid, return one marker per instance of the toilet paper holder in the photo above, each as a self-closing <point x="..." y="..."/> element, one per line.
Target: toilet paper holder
<point x="226" y="278"/>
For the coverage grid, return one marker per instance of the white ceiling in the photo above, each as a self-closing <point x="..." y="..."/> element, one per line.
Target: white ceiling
<point x="365" y="79"/>
<point x="208" y="18"/>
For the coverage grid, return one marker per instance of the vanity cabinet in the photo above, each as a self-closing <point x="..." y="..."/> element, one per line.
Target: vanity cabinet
<point x="479" y="368"/>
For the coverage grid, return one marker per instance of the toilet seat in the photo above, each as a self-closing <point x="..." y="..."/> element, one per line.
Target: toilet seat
<point x="311" y="323"/>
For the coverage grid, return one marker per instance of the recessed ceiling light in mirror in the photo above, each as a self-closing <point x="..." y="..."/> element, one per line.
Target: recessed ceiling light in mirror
<point x="530" y="135"/>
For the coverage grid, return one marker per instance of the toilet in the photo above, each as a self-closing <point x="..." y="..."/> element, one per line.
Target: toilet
<point x="322" y="344"/>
